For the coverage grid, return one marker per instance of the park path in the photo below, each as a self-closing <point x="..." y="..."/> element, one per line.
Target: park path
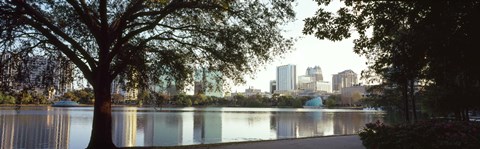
<point x="333" y="142"/>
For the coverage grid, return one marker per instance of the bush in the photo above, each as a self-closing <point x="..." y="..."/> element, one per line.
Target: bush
<point x="6" y="99"/>
<point x="426" y="134"/>
<point x="9" y="99"/>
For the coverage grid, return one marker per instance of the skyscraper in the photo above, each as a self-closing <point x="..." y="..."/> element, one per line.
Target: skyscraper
<point x="286" y="77"/>
<point x="315" y="72"/>
<point x="344" y="79"/>
<point x="273" y="86"/>
<point x="313" y="81"/>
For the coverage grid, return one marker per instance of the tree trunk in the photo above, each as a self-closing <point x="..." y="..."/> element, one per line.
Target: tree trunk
<point x="467" y="117"/>
<point x="405" y="96"/>
<point x="412" y="96"/>
<point x="101" y="136"/>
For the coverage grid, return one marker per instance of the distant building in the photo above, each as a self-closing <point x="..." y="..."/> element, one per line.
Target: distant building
<point x="36" y="72"/>
<point x="286" y="78"/>
<point x="315" y="72"/>
<point x="313" y="81"/>
<point x="344" y="79"/>
<point x="351" y="95"/>
<point x="273" y="86"/>
<point x="252" y="92"/>
<point x="208" y="83"/>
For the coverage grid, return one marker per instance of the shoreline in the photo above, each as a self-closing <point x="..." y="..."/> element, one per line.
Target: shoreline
<point x="117" y="105"/>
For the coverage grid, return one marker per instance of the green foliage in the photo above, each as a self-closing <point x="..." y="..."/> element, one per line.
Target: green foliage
<point x="297" y="103"/>
<point x="183" y="100"/>
<point x="85" y="96"/>
<point x="251" y="101"/>
<point x="39" y="98"/>
<point x="389" y="100"/>
<point x="117" y="98"/>
<point x="70" y="96"/>
<point x="9" y="99"/>
<point x="26" y="98"/>
<point x="421" y="135"/>
<point x="6" y="99"/>
<point x="330" y="102"/>
<point x="144" y="95"/>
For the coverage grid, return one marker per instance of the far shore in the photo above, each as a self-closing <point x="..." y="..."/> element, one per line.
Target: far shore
<point x="167" y="106"/>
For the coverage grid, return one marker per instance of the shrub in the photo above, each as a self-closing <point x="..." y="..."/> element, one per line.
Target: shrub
<point x="421" y="135"/>
<point x="9" y="99"/>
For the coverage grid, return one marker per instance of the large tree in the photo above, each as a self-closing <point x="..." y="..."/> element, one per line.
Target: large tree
<point x="146" y="39"/>
<point x="410" y="42"/>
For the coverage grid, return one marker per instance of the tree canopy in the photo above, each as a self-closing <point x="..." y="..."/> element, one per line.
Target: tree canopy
<point x="145" y="39"/>
<point x="409" y="42"/>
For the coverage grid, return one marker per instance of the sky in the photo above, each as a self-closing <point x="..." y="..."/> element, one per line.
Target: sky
<point x="309" y="51"/>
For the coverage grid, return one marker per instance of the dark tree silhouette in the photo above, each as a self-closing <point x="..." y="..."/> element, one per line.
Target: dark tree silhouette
<point x="411" y="42"/>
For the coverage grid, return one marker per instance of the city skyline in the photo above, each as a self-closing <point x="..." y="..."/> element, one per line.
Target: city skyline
<point x="332" y="57"/>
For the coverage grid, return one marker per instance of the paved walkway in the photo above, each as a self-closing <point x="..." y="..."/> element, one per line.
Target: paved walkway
<point x="331" y="142"/>
<point x="334" y="142"/>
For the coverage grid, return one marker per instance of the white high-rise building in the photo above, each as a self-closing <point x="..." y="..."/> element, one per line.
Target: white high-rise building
<point x="286" y="77"/>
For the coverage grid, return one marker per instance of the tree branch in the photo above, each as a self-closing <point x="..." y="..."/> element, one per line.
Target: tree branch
<point x="160" y="15"/>
<point x="85" y="17"/>
<point x="64" y="48"/>
<point x="37" y="16"/>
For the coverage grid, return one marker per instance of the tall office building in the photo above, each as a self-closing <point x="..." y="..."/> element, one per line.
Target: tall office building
<point x="273" y="86"/>
<point x="315" y="72"/>
<point x="286" y="77"/>
<point x="313" y="81"/>
<point x="344" y="79"/>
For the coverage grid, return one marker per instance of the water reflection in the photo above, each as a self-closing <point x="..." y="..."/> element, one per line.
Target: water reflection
<point x="124" y="125"/>
<point x="30" y="129"/>
<point x="46" y="127"/>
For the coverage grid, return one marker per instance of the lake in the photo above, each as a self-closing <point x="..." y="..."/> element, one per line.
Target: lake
<point x="62" y="128"/>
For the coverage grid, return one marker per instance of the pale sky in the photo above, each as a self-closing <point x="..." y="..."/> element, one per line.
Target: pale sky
<point x="332" y="57"/>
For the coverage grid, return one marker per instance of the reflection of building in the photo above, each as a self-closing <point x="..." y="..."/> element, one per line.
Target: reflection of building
<point x="169" y="129"/>
<point x="343" y="79"/>
<point x="349" y="123"/>
<point x="286" y="78"/>
<point x="316" y="124"/>
<point x="287" y="125"/>
<point x="163" y="129"/>
<point x="125" y="128"/>
<point x="35" y="131"/>
<point x="208" y="128"/>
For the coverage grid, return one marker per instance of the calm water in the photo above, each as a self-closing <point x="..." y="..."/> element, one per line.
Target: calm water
<point x="50" y="127"/>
